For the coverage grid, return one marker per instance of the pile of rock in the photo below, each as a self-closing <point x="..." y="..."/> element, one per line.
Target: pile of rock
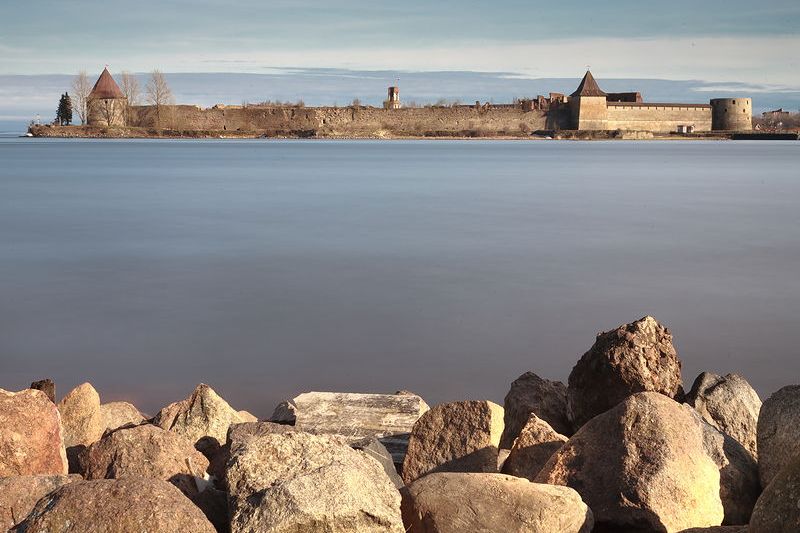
<point x="619" y="448"/>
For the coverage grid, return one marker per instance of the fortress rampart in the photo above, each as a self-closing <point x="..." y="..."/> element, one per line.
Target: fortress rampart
<point x="657" y="117"/>
<point x="344" y="121"/>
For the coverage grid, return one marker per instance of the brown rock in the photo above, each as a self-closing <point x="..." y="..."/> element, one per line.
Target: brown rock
<point x="203" y="414"/>
<point x="387" y="417"/>
<point x="636" y="357"/>
<point x="778" y="432"/>
<point x="729" y="404"/>
<point x="31" y="441"/>
<point x="531" y="394"/>
<point x="118" y="414"/>
<point x="46" y="386"/>
<point x="641" y="466"/>
<point x="130" y="505"/>
<point x="246" y="416"/>
<point x="533" y="448"/>
<point x="292" y="482"/>
<point x="778" y="508"/>
<point x="490" y="503"/>
<point x="18" y="495"/>
<point x="455" y="437"/>
<point x="145" y="451"/>
<point x="80" y="416"/>
<point x="738" y="471"/>
<point x="284" y="413"/>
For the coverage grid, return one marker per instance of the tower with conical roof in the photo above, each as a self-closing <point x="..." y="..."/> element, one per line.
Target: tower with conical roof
<point x="106" y="103"/>
<point x="588" y="103"/>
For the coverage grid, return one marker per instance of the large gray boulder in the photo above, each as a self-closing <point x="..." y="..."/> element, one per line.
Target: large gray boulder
<point x="117" y="414"/>
<point x="641" y="466"/>
<point x="778" y="508"/>
<point x="530" y="394"/>
<point x="130" y="505"/>
<point x="31" y="441"/>
<point x="18" y="495"/>
<point x="635" y="357"/>
<point x="294" y="481"/>
<point x="778" y="432"/>
<point x="729" y="404"/>
<point x="738" y="471"/>
<point x="387" y="417"/>
<point x="145" y="451"/>
<point x="455" y="437"/>
<point x="204" y="414"/>
<point x="533" y="448"/>
<point x="488" y="503"/>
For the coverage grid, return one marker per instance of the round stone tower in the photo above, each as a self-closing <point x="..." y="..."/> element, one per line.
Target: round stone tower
<point x="731" y="114"/>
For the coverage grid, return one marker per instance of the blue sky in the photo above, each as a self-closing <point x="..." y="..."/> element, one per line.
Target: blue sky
<point x="714" y="40"/>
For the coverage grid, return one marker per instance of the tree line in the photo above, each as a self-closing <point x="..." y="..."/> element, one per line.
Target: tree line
<point x="157" y="93"/>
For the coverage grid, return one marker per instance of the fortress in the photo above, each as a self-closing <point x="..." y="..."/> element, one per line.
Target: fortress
<point x="589" y="108"/>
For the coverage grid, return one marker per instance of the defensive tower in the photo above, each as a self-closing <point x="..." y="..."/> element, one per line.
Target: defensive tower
<point x="732" y="114"/>
<point x="106" y="103"/>
<point x="589" y="105"/>
<point x="393" y="100"/>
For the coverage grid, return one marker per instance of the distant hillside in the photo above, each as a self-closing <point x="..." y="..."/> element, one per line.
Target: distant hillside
<point x="22" y="97"/>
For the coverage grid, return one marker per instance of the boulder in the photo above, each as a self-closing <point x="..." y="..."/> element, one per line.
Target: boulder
<point x="145" y="451"/>
<point x="237" y="434"/>
<point x="455" y="437"/>
<point x="118" y="414"/>
<point x="533" y="448"/>
<point x="372" y="447"/>
<point x="452" y="502"/>
<point x="778" y="432"/>
<point x="388" y="417"/>
<point x="729" y="404"/>
<point x="18" y="495"/>
<point x="247" y="416"/>
<point x="130" y="505"/>
<point x="284" y="413"/>
<point x="530" y="394"/>
<point x="778" y="508"/>
<point x="80" y="416"/>
<point x="738" y="471"/>
<point x="641" y="466"/>
<point x="31" y="441"/>
<point x="46" y="386"/>
<point x="636" y="357"/>
<point x="291" y="482"/>
<point x="203" y="414"/>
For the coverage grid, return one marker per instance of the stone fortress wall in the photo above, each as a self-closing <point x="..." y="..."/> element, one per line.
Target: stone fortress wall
<point x="356" y="121"/>
<point x="657" y="117"/>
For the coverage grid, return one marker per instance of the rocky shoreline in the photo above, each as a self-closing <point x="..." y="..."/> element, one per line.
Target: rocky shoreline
<point x="620" y="447"/>
<point x="101" y="132"/>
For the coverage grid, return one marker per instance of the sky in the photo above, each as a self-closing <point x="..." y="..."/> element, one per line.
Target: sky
<point x="332" y="51"/>
<point x="730" y="40"/>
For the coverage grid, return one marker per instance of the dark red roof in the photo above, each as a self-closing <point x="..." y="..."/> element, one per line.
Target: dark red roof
<point x="588" y="87"/>
<point x="106" y="88"/>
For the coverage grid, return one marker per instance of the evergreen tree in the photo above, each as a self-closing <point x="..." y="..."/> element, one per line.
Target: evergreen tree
<point x="67" y="109"/>
<point x="64" y="113"/>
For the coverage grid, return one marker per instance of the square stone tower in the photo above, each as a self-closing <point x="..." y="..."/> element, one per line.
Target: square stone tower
<point x="588" y="103"/>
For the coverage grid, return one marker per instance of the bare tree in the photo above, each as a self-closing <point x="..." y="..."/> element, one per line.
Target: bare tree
<point x="158" y="93"/>
<point x="130" y="88"/>
<point x="81" y="87"/>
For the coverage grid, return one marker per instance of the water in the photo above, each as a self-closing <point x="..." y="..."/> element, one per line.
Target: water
<point x="448" y="268"/>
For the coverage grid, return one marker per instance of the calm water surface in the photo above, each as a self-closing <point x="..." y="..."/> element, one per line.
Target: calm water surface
<point x="448" y="268"/>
